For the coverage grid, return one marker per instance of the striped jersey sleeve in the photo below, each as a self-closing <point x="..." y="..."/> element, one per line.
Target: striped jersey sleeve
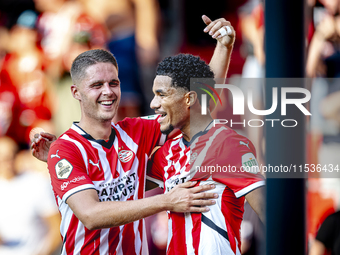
<point x="68" y="168"/>
<point x="240" y="170"/>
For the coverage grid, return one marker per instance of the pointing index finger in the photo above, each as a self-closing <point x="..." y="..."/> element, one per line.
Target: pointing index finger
<point x="206" y="20"/>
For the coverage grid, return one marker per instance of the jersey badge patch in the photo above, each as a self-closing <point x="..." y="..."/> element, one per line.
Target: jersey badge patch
<point x="249" y="163"/>
<point x="63" y="169"/>
<point x="125" y="156"/>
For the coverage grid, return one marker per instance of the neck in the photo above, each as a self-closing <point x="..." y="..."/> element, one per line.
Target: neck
<point x="8" y="175"/>
<point x="197" y="124"/>
<point x="98" y="130"/>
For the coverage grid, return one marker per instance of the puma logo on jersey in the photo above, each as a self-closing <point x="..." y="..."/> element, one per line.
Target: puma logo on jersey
<point x="246" y="144"/>
<point x="55" y="155"/>
<point x="95" y="164"/>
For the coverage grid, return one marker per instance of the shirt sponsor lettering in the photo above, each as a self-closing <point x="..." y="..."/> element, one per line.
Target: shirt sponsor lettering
<point x="74" y="180"/>
<point x="119" y="190"/>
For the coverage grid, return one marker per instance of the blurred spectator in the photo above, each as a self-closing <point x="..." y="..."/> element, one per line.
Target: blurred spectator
<point x="253" y="73"/>
<point x="23" y="65"/>
<point x="10" y="106"/>
<point x="10" y="10"/>
<point x="55" y="26"/>
<point x="132" y="26"/>
<point x="328" y="237"/>
<point x="325" y="41"/>
<point x="29" y="219"/>
<point x="323" y="66"/>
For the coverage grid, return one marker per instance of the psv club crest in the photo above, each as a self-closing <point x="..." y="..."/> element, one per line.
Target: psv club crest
<point x="125" y="156"/>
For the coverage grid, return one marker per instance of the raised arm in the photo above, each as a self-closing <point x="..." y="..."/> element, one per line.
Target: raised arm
<point x="220" y="60"/>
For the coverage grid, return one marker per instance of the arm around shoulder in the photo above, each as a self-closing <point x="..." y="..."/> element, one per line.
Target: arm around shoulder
<point x="96" y="215"/>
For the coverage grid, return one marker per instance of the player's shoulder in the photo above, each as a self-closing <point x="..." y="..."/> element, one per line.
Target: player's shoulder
<point x="226" y="136"/>
<point x="130" y="121"/>
<point x="67" y="139"/>
<point x="135" y="123"/>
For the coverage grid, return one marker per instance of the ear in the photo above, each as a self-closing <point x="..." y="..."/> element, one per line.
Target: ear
<point x="75" y="92"/>
<point x="190" y="98"/>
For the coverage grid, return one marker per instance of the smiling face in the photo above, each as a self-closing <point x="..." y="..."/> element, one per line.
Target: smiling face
<point x="172" y="103"/>
<point x="98" y="92"/>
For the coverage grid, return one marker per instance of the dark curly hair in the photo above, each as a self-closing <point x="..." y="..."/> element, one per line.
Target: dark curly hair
<point x="182" y="67"/>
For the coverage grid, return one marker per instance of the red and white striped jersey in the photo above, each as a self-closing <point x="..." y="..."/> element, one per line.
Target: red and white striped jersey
<point x="115" y="169"/>
<point x="217" y="156"/>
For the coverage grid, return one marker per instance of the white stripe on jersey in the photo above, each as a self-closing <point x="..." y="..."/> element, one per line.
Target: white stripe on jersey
<point x="169" y="232"/>
<point x="181" y="154"/>
<point x="145" y="249"/>
<point x="217" y="244"/>
<point x="215" y="213"/>
<point x="66" y="215"/>
<point x="79" y="238"/>
<point x="105" y="163"/>
<point x="77" y="189"/>
<point x="188" y="234"/>
<point x="78" y="129"/>
<point x="127" y="139"/>
<point x="138" y="241"/>
<point x="204" y="152"/>
<point x="104" y="241"/>
<point x="166" y="174"/>
<point x="249" y="188"/>
<point x="80" y="147"/>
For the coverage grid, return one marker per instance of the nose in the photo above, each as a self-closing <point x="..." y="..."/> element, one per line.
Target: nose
<point x="155" y="103"/>
<point x="107" y="90"/>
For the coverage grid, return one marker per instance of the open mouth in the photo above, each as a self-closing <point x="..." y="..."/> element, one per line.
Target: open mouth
<point x="106" y="102"/>
<point x="162" y="117"/>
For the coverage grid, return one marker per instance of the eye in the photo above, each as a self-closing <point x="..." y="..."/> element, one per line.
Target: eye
<point x="97" y="85"/>
<point x="114" y="83"/>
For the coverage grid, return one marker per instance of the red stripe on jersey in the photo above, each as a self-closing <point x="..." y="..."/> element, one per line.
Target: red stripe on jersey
<point x="178" y="241"/>
<point x="128" y="245"/>
<point x="91" y="242"/>
<point x="71" y="235"/>
<point x="196" y="230"/>
<point x="232" y="209"/>
<point x="113" y="240"/>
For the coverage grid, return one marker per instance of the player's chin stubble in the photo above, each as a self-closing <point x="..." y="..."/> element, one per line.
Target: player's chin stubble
<point x="168" y="129"/>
